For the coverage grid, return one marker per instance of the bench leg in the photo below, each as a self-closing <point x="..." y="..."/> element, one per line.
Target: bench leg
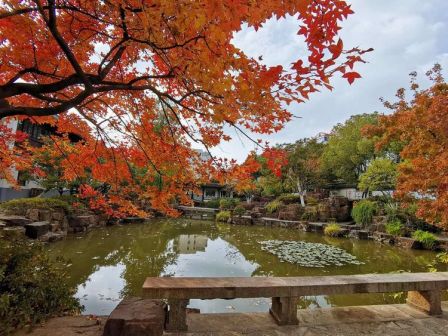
<point x="177" y="315"/>
<point x="427" y="301"/>
<point x="284" y="310"/>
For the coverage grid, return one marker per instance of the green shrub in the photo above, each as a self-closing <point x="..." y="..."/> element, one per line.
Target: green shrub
<point x="392" y="211"/>
<point x="427" y="239"/>
<point x="395" y="227"/>
<point x="332" y="230"/>
<point x="32" y="286"/>
<point x="228" y="203"/>
<point x="212" y="204"/>
<point x="21" y="205"/>
<point x="239" y="210"/>
<point x="274" y="206"/>
<point x="310" y="200"/>
<point x="311" y="213"/>
<point x="289" y="198"/>
<point x="223" y="216"/>
<point x="363" y="212"/>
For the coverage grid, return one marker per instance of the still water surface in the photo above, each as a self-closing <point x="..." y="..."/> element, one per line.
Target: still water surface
<point x="110" y="263"/>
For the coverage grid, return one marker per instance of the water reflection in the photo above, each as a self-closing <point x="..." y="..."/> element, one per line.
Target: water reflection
<point x="110" y="263"/>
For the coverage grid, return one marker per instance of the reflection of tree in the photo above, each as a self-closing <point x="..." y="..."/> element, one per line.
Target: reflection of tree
<point x="144" y="250"/>
<point x="148" y="250"/>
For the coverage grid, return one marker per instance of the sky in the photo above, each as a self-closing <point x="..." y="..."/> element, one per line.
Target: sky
<point x="407" y="35"/>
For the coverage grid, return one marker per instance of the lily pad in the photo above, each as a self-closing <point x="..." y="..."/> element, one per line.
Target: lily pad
<point x="308" y="254"/>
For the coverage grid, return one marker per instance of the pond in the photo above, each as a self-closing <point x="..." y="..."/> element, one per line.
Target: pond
<point x="110" y="263"/>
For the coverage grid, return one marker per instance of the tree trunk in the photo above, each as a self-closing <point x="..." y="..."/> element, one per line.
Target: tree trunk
<point x="301" y="193"/>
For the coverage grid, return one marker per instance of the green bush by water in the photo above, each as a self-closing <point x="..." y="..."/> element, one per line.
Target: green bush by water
<point x="21" y="205"/>
<point x="239" y="210"/>
<point x="427" y="239"/>
<point x="223" y="216"/>
<point x="274" y="206"/>
<point x="289" y="198"/>
<point x="228" y="203"/>
<point x="212" y="204"/>
<point x="363" y="212"/>
<point x="332" y="230"/>
<point x="395" y="227"/>
<point x="32" y="287"/>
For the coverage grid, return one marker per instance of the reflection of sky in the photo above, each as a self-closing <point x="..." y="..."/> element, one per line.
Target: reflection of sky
<point x="219" y="259"/>
<point x="100" y="294"/>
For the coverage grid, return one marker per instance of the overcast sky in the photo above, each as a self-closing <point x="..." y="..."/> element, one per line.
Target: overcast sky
<point x="407" y="35"/>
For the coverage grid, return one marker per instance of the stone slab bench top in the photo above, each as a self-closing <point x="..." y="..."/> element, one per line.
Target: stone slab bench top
<point x="250" y="287"/>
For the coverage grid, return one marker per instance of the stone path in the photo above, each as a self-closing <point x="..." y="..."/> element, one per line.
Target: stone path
<point x="381" y="320"/>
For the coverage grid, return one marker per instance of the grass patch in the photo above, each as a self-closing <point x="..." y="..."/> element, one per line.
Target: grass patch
<point x="21" y="205"/>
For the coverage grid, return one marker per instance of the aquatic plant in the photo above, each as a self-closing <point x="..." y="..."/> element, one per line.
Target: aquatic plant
<point x="332" y="230"/>
<point x="308" y="254"/>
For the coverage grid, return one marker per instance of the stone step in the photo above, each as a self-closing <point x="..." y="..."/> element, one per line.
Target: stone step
<point x="37" y="229"/>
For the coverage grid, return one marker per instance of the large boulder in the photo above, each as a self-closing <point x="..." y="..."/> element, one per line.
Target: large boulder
<point x="11" y="220"/>
<point x="407" y="243"/>
<point x="37" y="229"/>
<point x="136" y="317"/>
<point x="81" y="223"/>
<point x="291" y="212"/>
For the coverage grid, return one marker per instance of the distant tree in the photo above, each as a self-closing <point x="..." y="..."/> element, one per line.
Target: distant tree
<point x="303" y="171"/>
<point x="348" y="150"/>
<point x="380" y="175"/>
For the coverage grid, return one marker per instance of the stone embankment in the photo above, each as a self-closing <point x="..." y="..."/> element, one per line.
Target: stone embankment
<point x="50" y="225"/>
<point x="348" y="229"/>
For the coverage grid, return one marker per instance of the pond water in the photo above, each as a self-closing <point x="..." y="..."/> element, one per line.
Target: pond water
<point x="110" y="263"/>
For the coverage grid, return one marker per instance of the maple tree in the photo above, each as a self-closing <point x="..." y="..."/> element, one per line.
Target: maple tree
<point x="420" y="127"/>
<point x="141" y="80"/>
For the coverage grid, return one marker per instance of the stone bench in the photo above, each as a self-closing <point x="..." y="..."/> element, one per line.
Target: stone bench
<point x="424" y="291"/>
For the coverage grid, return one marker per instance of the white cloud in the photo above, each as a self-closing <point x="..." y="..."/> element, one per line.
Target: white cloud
<point x="407" y="35"/>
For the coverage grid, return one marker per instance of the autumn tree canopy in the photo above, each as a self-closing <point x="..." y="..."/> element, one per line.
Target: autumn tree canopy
<point x="140" y="80"/>
<point x="420" y="127"/>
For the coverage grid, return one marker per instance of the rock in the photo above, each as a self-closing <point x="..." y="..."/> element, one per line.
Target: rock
<point x="305" y="226"/>
<point x="45" y="215"/>
<point x="58" y="216"/>
<point x="136" y="317"/>
<point x="128" y="220"/>
<point x="14" y="220"/>
<point x="359" y="234"/>
<point x="54" y="227"/>
<point x="80" y="223"/>
<point x="37" y="229"/>
<point x="407" y="243"/>
<point x="53" y="236"/>
<point x="383" y="237"/>
<point x="33" y="214"/>
<point x="316" y="227"/>
<point x="242" y="220"/>
<point x="14" y="229"/>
